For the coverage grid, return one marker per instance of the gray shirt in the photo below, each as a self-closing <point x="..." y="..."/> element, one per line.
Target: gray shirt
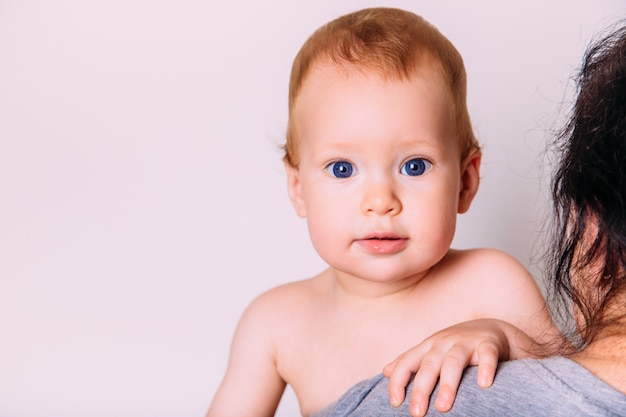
<point x="556" y="387"/>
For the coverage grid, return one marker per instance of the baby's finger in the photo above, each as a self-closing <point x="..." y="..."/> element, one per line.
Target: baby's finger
<point x="487" y="363"/>
<point x="398" y="380"/>
<point x="399" y="372"/>
<point x="455" y="362"/>
<point x="424" y="382"/>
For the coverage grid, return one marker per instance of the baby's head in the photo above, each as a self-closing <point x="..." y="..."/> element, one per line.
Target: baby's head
<point x="391" y="43"/>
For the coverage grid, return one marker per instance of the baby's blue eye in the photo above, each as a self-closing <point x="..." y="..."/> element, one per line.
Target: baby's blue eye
<point x="340" y="169"/>
<point x="415" y="167"/>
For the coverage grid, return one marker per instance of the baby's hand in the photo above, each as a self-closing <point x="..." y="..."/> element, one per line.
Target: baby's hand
<point x="445" y="355"/>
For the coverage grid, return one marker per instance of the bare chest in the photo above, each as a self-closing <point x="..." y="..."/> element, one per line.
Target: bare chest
<point x="331" y="354"/>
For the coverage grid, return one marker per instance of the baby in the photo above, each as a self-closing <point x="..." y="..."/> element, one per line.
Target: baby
<point x="380" y="157"/>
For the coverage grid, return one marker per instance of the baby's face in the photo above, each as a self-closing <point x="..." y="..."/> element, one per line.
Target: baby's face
<point x="380" y="171"/>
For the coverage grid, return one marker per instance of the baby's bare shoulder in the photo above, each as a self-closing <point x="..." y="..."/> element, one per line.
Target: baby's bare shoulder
<point x="480" y="255"/>
<point x="484" y="263"/>
<point x="282" y="303"/>
<point x="483" y="271"/>
<point x="504" y="286"/>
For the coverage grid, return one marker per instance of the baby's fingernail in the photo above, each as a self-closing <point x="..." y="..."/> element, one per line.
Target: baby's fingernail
<point x="417" y="410"/>
<point x="395" y="402"/>
<point x="484" y="382"/>
<point x="441" y="403"/>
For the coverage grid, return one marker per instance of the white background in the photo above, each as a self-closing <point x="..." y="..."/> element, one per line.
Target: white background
<point x="142" y="198"/>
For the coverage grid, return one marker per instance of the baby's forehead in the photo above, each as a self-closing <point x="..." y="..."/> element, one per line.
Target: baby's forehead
<point x="325" y="73"/>
<point x="336" y="101"/>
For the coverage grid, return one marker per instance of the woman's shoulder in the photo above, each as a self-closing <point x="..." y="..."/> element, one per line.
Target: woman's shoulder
<point x="534" y="386"/>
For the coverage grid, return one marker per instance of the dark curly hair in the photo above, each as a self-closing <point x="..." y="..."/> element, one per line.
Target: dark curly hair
<point x="587" y="262"/>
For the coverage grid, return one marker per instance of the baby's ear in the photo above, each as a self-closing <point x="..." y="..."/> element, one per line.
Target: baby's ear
<point x="470" y="178"/>
<point x="294" y="189"/>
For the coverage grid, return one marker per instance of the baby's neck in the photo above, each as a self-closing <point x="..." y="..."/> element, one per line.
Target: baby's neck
<point x="356" y="288"/>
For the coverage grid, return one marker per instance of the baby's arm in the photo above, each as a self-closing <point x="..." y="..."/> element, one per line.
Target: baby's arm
<point x="252" y="385"/>
<point x="521" y="327"/>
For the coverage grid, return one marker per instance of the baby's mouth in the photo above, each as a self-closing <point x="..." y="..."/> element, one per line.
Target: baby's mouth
<point x="382" y="236"/>
<point x="383" y="244"/>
